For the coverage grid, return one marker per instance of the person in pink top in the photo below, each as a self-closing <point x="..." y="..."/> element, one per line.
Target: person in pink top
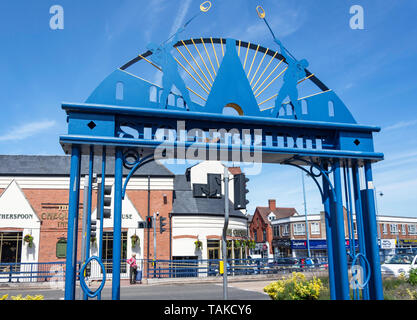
<point x="133" y="269"/>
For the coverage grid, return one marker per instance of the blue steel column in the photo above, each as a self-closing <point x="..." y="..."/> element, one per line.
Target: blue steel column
<point x="117" y="225"/>
<point x="327" y="219"/>
<point x="100" y="209"/>
<point x="359" y="222"/>
<point x="371" y="238"/>
<point x="338" y="233"/>
<point x="90" y="192"/>
<point x="72" y="235"/>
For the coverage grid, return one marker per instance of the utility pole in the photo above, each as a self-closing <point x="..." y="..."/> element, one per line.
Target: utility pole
<point x="226" y="224"/>
<point x="305" y="213"/>
<point x="149" y="205"/>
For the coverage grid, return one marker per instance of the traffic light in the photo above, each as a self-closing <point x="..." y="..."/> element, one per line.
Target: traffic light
<point x="240" y="181"/>
<point x="106" y="201"/>
<point x="149" y="222"/>
<point x="93" y="228"/>
<point x="214" y="185"/>
<point x="162" y="224"/>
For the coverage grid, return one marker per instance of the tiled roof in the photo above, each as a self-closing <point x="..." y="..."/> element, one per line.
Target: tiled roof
<point x="60" y="166"/>
<point x="279" y="212"/>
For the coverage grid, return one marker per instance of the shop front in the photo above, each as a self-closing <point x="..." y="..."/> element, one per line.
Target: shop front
<point x="281" y="248"/>
<point x="19" y="233"/>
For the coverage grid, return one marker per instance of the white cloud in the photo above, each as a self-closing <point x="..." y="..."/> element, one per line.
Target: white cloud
<point x="178" y="22"/>
<point x="400" y="125"/>
<point x="27" y="130"/>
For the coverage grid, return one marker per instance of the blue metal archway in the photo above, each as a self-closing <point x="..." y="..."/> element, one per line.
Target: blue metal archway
<point x="125" y="115"/>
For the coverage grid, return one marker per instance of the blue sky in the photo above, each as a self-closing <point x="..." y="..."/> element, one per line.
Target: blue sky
<point x="372" y="70"/>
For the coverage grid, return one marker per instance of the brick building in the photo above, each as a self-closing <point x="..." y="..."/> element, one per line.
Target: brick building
<point x="201" y="217"/>
<point x="34" y="201"/>
<point x="261" y="226"/>
<point x="290" y="236"/>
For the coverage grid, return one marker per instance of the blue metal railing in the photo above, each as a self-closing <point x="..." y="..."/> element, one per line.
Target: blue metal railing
<point x="203" y="268"/>
<point x="31" y="272"/>
<point x="152" y="269"/>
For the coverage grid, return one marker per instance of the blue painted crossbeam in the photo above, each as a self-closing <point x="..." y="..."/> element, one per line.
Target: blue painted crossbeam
<point x="276" y="139"/>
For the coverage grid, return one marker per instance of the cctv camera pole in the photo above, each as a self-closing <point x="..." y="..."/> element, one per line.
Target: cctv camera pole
<point x="226" y="224"/>
<point x="305" y="213"/>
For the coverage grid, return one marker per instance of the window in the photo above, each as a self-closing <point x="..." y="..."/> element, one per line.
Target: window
<point x="412" y="229"/>
<point x="264" y="235"/>
<point x="61" y="248"/>
<point x="403" y="231"/>
<point x="393" y="228"/>
<point x="108" y="251"/>
<point x="315" y="228"/>
<point x="255" y="235"/>
<point x="285" y="230"/>
<point x="10" y="247"/>
<point x="276" y="231"/>
<point x="384" y="228"/>
<point x="299" y="229"/>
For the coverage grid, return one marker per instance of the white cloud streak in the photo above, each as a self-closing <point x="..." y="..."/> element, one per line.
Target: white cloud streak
<point x="400" y="125"/>
<point x="27" y="130"/>
<point x="178" y="22"/>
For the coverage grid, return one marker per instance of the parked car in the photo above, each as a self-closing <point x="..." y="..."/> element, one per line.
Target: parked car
<point x="399" y="264"/>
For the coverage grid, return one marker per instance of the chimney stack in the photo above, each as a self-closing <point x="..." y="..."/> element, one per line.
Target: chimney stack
<point x="272" y="205"/>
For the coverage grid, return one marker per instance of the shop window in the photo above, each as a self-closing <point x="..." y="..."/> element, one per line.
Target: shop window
<point x="10" y="247"/>
<point x="61" y="248"/>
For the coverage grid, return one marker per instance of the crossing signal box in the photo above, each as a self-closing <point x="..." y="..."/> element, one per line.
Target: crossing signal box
<point x="240" y="191"/>
<point x="106" y="201"/>
<point x="162" y="224"/>
<point x="93" y="228"/>
<point x="148" y="222"/>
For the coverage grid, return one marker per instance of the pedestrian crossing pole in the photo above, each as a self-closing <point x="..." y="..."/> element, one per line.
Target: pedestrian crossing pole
<point x="226" y="224"/>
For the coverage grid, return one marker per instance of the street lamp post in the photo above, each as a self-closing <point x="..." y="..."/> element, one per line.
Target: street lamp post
<point x="306" y="220"/>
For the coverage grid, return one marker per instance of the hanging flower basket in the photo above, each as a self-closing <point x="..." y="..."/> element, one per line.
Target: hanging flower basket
<point x="93" y="240"/>
<point x="251" y="244"/>
<point x="198" y="245"/>
<point x="238" y="243"/>
<point x="135" y="240"/>
<point x="29" y="240"/>
<point x="229" y="243"/>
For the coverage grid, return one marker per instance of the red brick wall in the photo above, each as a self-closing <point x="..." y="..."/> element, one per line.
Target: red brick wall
<point x="51" y="206"/>
<point x="259" y="225"/>
<point x="139" y="198"/>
